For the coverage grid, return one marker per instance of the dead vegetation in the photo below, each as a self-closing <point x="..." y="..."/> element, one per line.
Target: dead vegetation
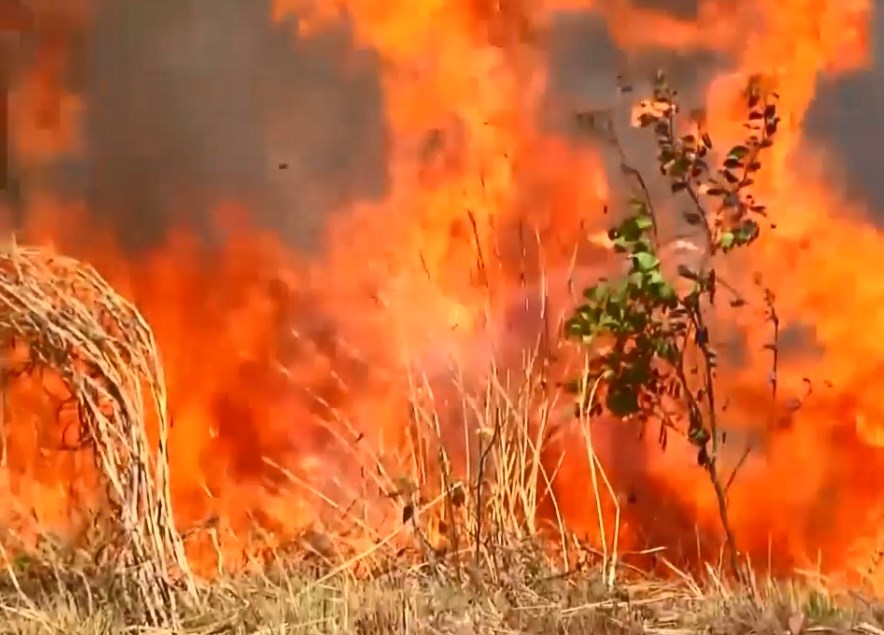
<point x="59" y="316"/>
<point x="475" y="564"/>
<point x="469" y="553"/>
<point x="413" y="600"/>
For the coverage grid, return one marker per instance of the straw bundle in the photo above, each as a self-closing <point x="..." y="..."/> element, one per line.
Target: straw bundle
<point x="68" y="319"/>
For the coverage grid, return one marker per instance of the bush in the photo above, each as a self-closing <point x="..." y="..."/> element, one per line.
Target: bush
<point x="649" y="343"/>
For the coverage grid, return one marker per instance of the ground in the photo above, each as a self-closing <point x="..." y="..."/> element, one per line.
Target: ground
<point x="421" y="602"/>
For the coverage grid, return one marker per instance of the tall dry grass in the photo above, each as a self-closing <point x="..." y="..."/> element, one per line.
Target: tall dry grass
<point x="58" y="315"/>
<point x="477" y="543"/>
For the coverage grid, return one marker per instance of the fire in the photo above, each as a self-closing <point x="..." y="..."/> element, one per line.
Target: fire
<point x="293" y="378"/>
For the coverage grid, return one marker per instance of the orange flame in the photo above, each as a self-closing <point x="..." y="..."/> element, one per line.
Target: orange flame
<point x="276" y="362"/>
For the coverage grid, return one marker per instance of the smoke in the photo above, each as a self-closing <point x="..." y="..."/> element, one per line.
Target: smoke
<point x="192" y="102"/>
<point x="845" y="118"/>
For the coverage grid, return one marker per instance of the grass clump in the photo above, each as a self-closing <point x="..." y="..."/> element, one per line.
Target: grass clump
<point x="59" y="317"/>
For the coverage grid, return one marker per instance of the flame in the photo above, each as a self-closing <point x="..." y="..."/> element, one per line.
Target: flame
<point x="280" y="364"/>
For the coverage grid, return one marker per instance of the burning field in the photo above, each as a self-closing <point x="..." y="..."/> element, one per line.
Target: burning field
<point x="372" y="387"/>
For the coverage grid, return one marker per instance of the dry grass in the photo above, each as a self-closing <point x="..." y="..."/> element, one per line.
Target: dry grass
<point x="59" y="316"/>
<point x="477" y="558"/>
<point x="415" y="601"/>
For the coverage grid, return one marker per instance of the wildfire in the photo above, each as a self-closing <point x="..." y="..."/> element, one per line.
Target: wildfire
<point x="297" y="382"/>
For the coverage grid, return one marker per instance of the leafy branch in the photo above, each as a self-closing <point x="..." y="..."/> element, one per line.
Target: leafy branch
<point x="649" y="342"/>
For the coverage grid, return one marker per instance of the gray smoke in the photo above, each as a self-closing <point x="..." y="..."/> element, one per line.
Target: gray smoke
<point x="195" y="101"/>
<point x="846" y="118"/>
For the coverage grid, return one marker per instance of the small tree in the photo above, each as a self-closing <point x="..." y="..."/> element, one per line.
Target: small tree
<point x="650" y="347"/>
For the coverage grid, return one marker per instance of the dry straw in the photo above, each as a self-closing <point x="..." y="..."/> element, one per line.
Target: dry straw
<point x="70" y="321"/>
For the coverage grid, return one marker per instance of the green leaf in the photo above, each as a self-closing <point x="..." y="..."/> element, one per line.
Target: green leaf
<point x="732" y="164"/>
<point x="623" y="246"/>
<point x="738" y="152"/>
<point x="662" y="290"/>
<point x="727" y="240"/>
<point x="679" y="167"/>
<point x="645" y="261"/>
<point x="655" y="278"/>
<point x="636" y="278"/>
<point x="576" y="329"/>
<point x="622" y="399"/>
<point x="630" y="230"/>
<point x="747" y="232"/>
<point x="644" y="222"/>
<point x="666" y="349"/>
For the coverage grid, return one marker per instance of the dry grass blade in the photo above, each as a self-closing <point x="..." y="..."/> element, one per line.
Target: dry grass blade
<point x="65" y="318"/>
